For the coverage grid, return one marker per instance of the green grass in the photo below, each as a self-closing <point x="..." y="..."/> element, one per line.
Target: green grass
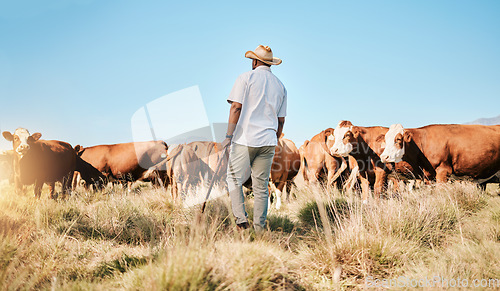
<point x="322" y="240"/>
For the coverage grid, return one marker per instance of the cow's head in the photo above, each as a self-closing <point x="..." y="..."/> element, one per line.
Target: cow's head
<point x="345" y="135"/>
<point x="394" y="145"/>
<point x="21" y="140"/>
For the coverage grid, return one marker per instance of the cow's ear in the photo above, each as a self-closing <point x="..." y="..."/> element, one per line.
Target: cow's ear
<point x="36" y="136"/>
<point x="328" y="131"/>
<point x="355" y="131"/>
<point x="345" y="123"/>
<point x="8" y="136"/>
<point x="407" y="136"/>
<point x="79" y="150"/>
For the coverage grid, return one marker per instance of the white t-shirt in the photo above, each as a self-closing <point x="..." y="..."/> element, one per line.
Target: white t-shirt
<point x="263" y="99"/>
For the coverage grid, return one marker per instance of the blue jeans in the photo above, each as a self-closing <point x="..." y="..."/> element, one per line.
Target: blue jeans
<point x="246" y="162"/>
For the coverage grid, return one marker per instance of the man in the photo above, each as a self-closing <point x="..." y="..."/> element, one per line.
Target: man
<point x="256" y="119"/>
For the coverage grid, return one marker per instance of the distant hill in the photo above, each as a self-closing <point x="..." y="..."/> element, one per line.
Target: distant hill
<point x="486" y="121"/>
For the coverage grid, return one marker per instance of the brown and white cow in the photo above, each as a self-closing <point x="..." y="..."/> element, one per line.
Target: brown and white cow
<point x="41" y="161"/>
<point x="286" y="165"/>
<point x="124" y="161"/>
<point x="434" y="152"/>
<point x="318" y="164"/>
<point x="364" y="145"/>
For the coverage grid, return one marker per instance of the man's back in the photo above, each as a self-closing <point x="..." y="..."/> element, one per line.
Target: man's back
<point x="263" y="98"/>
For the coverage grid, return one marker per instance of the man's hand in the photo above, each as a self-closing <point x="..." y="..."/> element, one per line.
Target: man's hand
<point x="226" y="142"/>
<point x="281" y="123"/>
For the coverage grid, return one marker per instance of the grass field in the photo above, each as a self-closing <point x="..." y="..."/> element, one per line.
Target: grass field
<point x="321" y="240"/>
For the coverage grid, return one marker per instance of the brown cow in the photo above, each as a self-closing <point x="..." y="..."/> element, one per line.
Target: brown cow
<point x="434" y="152"/>
<point x="286" y="165"/>
<point x="124" y="161"/>
<point x="318" y="163"/>
<point x="84" y="171"/>
<point x="364" y="145"/>
<point x="41" y="161"/>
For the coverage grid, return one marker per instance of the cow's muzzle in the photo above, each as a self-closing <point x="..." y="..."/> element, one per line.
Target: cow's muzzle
<point x="22" y="149"/>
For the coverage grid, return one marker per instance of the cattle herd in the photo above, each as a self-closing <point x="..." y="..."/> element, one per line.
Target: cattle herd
<point x="347" y="157"/>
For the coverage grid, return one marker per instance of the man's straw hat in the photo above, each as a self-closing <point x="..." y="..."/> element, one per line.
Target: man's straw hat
<point x="263" y="54"/>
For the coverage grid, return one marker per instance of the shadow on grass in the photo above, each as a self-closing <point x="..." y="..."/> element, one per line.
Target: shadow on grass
<point x="121" y="265"/>
<point x="336" y="209"/>
<point x="280" y="223"/>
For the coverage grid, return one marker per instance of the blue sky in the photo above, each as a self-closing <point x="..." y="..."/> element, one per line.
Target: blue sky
<point x="78" y="70"/>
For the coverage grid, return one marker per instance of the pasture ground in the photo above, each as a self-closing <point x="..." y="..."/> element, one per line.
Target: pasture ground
<point x="321" y="240"/>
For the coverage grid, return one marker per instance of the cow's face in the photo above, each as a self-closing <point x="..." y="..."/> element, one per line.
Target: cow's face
<point x="21" y="140"/>
<point x="344" y="138"/>
<point x="394" y="145"/>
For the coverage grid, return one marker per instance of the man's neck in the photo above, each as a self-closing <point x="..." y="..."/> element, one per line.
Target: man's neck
<point x="262" y="67"/>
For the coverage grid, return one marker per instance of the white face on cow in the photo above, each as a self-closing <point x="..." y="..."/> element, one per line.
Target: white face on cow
<point x="22" y="134"/>
<point x="341" y="147"/>
<point x="21" y="140"/>
<point x="394" y="145"/>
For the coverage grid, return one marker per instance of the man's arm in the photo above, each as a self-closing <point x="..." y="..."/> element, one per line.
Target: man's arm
<point x="234" y="116"/>
<point x="281" y="123"/>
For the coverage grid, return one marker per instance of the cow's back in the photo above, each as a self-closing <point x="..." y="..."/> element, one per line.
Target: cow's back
<point x="126" y="160"/>
<point x="150" y="153"/>
<point x="471" y="150"/>
<point x="47" y="161"/>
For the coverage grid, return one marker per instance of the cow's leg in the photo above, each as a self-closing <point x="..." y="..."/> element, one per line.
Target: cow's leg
<point x="288" y="190"/>
<point x="279" y="190"/>
<point x="52" y="190"/>
<point x="38" y="189"/>
<point x="353" y="176"/>
<point x="332" y="167"/>
<point x="365" y="187"/>
<point x="380" y="182"/>
<point x="482" y="186"/>
<point x="174" y="189"/>
<point x="313" y="174"/>
<point x="410" y="186"/>
<point x="185" y="187"/>
<point x="66" y="184"/>
<point x="18" y="185"/>
<point x="443" y="172"/>
<point x="74" y="180"/>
